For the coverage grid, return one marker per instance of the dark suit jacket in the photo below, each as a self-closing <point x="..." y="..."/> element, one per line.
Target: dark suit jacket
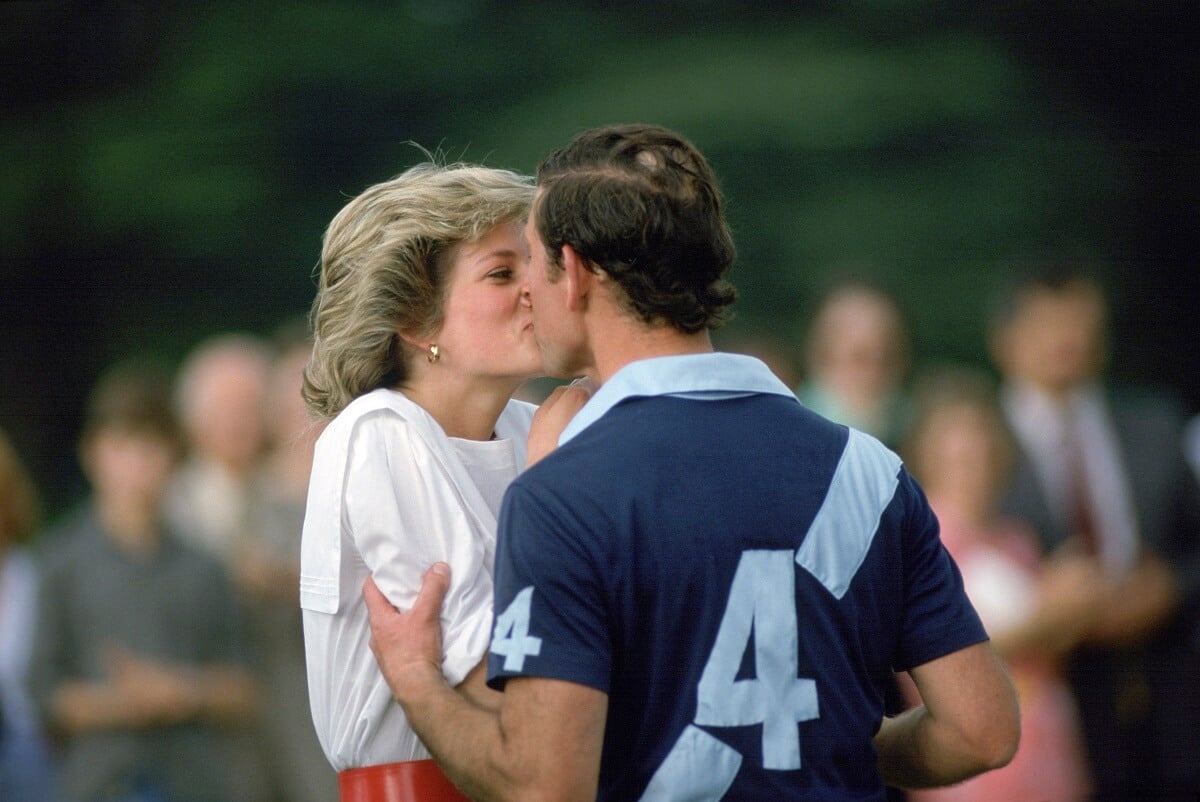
<point x="1165" y="495"/>
<point x="1166" y="499"/>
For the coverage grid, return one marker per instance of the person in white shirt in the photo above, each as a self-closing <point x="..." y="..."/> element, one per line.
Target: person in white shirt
<point x="422" y="332"/>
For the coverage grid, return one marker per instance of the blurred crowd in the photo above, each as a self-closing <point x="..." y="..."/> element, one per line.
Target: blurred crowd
<point x="1072" y="509"/>
<point x="150" y="642"/>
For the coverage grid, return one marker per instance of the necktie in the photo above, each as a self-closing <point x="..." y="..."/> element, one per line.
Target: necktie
<point x="1080" y="511"/>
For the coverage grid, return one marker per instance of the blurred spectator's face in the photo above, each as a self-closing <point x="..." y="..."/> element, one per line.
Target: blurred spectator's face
<point x="859" y="350"/>
<point x="226" y="420"/>
<point x="959" y="455"/>
<point x="288" y="415"/>
<point x="129" y="466"/>
<point x="1055" y="339"/>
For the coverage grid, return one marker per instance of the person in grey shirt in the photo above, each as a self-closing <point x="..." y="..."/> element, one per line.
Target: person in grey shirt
<point x="139" y="658"/>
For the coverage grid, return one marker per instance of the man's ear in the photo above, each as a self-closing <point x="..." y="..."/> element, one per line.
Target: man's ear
<point x="578" y="276"/>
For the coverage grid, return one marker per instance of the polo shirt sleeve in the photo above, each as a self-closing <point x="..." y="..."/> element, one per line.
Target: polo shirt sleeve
<point x="403" y="515"/>
<point x="938" y="617"/>
<point x="551" y="604"/>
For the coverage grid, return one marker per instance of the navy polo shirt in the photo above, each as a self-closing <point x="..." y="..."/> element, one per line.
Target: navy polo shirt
<point x="738" y="574"/>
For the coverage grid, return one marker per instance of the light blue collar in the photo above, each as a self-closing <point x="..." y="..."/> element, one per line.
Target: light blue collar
<point x="706" y="377"/>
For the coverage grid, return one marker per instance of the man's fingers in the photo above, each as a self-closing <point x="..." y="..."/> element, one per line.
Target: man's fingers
<point x="586" y="384"/>
<point x="428" y="603"/>
<point x="435" y="583"/>
<point x="377" y="603"/>
<point x="576" y="394"/>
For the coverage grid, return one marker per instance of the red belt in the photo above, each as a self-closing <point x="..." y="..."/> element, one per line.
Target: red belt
<point x="411" y="781"/>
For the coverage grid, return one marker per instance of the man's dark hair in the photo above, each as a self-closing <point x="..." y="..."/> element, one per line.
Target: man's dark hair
<point x="133" y="396"/>
<point x="642" y="204"/>
<point x="1055" y="274"/>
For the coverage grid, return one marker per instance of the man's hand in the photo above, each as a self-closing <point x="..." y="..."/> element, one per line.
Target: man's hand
<point x="1138" y="603"/>
<point x="553" y="416"/>
<point x="138" y="691"/>
<point x="153" y="692"/>
<point x="408" y="646"/>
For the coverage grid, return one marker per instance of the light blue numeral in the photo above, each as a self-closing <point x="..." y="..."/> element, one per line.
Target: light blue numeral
<point x="511" y="636"/>
<point x="762" y="602"/>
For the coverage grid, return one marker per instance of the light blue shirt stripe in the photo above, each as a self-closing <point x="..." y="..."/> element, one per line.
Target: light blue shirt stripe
<point x="840" y="536"/>
<point x="699" y="769"/>
<point x="710" y="377"/>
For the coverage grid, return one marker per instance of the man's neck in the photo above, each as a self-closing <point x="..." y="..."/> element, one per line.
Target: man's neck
<point x="133" y="525"/>
<point x="1053" y="394"/>
<point x="625" y="342"/>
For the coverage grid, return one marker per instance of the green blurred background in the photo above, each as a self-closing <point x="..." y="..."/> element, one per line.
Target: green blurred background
<point x="169" y="168"/>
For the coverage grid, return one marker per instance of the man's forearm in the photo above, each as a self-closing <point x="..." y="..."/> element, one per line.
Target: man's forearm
<point x="80" y="706"/>
<point x="226" y="692"/>
<point x="465" y="738"/>
<point x="915" y="752"/>
<point x="542" y="743"/>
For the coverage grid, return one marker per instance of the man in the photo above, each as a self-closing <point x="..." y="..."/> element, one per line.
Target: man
<point x="703" y="592"/>
<point x="1105" y="475"/>
<point x="139" y="664"/>
<point x="221" y="396"/>
<point x="857" y="357"/>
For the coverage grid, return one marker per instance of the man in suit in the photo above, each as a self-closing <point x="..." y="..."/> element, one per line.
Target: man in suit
<point x="1104" y="474"/>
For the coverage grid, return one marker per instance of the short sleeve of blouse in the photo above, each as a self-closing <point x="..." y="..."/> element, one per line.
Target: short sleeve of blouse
<point x="402" y="515"/>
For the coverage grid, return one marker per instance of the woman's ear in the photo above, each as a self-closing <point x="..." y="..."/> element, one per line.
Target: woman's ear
<point x="413" y="345"/>
<point x="420" y="341"/>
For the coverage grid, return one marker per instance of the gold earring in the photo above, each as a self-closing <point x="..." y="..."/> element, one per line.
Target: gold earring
<point x="433" y="355"/>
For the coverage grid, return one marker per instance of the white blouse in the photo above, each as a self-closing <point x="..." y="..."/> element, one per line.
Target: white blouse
<point x="391" y="494"/>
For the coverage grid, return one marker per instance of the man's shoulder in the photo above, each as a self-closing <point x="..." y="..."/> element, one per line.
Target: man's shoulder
<point x="191" y="558"/>
<point x="73" y="539"/>
<point x="1131" y="402"/>
<point x="640" y="434"/>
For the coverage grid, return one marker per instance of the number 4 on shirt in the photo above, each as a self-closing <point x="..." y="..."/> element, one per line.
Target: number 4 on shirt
<point x="761" y="603"/>
<point x="701" y="767"/>
<point x="511" y="636"/>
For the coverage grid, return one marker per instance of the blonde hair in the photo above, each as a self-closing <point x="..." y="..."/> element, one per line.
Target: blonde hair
<point x="384" y="264"/>
<point x="20" y="509"/>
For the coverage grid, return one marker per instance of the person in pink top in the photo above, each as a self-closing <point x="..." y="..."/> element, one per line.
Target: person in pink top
<point x="1035" y="611"/>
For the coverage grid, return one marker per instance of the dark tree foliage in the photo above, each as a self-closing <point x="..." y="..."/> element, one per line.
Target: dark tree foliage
<point x="169" y="168"/>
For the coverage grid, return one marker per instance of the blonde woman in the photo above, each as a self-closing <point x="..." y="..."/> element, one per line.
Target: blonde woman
<point x="422" y="332"/>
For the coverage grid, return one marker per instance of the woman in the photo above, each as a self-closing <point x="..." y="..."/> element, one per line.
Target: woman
<point x="422" y="332"/>
<point x="1035" y="609"/>
<point x="24" y="757"/>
